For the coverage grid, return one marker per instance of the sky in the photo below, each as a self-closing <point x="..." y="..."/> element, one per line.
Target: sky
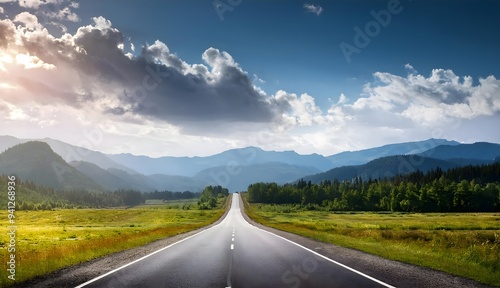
<point x="195" y="78"/>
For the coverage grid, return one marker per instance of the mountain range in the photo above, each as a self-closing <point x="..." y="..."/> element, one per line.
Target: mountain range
<point x="390" y="166"/>
<point x="234" y="169"/>
<point x="190" y="166"/>
<point x="367" y="155"/>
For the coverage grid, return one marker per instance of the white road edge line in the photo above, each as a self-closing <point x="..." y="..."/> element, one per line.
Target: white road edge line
<point x="140" y="259"/>
<point x="328" y="259"/>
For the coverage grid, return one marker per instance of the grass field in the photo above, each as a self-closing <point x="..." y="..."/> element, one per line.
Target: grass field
<point x="180" y="203"/>
<point x="50" y="240"/>
<point x="463" y="244"/>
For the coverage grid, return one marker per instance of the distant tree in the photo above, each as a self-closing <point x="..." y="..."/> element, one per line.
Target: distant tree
<point x="209" y="196"/>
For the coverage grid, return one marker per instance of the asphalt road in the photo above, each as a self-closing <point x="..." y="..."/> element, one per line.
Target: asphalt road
<point x="237" y="254"/>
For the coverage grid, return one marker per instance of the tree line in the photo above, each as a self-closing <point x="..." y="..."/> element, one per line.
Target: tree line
<point x="30" y="196"/>
<point x="464" y="189"/>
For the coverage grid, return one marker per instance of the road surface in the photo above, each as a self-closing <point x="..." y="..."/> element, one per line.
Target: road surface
<point x="236" y="254"/>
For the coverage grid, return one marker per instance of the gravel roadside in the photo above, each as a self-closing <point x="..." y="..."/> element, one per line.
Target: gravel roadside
<point x="392" y="272"/>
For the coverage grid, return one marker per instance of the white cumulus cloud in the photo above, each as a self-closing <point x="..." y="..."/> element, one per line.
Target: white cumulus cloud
<point x="29" y="20"/>
<point x="440" y="96"/>
<point x="313" y="8"/>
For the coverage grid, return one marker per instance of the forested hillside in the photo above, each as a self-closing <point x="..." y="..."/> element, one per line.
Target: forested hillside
<point x="390" y="166"/>
<point x="469" y="188"/>
<point x="35" y="161"/>
<point x="30" y="196"/>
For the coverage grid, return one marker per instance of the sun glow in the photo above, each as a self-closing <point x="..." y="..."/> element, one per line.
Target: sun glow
<point x="31" y="62"/>
<point x="5" y="58"/>
<point x="4" y="85"/>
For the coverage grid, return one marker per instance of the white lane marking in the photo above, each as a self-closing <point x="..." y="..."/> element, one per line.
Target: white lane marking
<point x="140" y="259"/>
<point x="328" y="259"/>
<point x="232" y="239"/>
<point x="232" y="246"/>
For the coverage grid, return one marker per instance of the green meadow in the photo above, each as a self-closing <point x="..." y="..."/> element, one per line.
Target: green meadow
<point x="51" y="240"/>
<point x="463" y="244"/>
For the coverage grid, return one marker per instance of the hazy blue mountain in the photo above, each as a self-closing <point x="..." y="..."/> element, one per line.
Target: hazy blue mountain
<point x="8" y="141"/>
<point x="68" y="152"/>
<point x="35" y="161"/>
<point x="102" y="177"/>
<point x="115" y="179"/>
<point x="158" y="182"/>
<point x="480" y="150"/>
<point x="189" y="166"/>
<point x="238" y="178"/>
<point x="364" y="156"/>
<point x="176" y="183"/>
<point x="253" y="155"/>
<point x="74" y="153"/>
<point x="367" y="155"/>
<point x="136" y="181"/>
<point x="163" y="165"/>
<point x="388" y="167"/>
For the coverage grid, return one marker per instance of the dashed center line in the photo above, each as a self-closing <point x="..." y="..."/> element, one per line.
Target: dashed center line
<point x="232" y="240"/>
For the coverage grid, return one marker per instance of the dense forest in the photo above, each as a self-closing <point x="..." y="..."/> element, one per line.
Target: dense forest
<point x="464" y="189"/>
<point x="30" y="196"/>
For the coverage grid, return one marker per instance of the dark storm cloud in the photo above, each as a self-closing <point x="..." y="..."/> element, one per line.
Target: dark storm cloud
<point x="158" y="84"/>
